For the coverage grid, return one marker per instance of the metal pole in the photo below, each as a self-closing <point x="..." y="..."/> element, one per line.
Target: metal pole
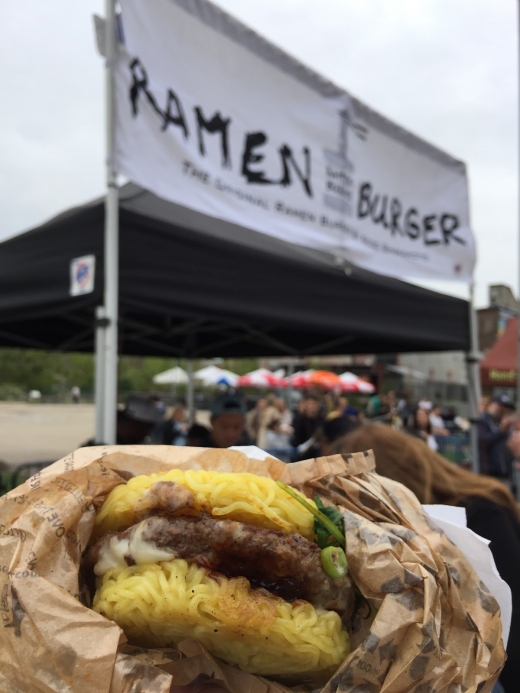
<point x="99" y="376"/>
<point x="473" y="360"/>
<point x="190" y="393"/>
<point x="111" y="235"/>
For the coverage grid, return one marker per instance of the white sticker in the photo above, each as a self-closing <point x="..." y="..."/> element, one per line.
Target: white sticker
<point x="82" y="273"/>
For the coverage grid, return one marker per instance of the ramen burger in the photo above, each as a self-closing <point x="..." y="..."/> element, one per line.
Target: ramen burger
<point x="231" y="559"/>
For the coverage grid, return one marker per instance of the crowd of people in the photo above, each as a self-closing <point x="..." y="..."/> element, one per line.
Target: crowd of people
<point x="318" y="420"/>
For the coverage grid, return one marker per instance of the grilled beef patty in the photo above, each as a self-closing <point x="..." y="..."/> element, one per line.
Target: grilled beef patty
<point x="287" y="565"/>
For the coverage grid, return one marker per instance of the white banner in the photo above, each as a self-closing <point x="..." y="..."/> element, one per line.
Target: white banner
<point x="213" y="117"/>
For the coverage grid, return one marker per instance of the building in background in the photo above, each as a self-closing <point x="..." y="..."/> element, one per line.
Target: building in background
<point x="492" y="321"/>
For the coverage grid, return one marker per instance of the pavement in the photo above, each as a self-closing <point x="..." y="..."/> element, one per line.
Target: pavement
<point x="42" y="432"/>
<point x="46" y="432"/>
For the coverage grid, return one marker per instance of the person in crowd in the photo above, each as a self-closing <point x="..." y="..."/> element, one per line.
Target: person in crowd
<point x="374" y="406"/>
<point x="494" y="430"/>
<point x="175" y="427"/>
<point x="490" y="508"/>
<point x="334" y="405"/>
<point x="286" y="415"/>
<point x="198" y="436"/>
<point x="425" y="404"/>
<point x="513" y="445"/>
<point x="404" y="409"/>
<point x="305" y="424"/>
<point x="269" y="414"/>
<point x="253" y="418"/>
<point x="228" y="423"/>
<point x="391" y="401"/>
<point x="135" y="422"/>
<point x="349" y="410"/>
<point x="307" y="419"/>
<point x="277" y="441"/>
<point x="422" y="428"/>
<point x="387" y="408"/>
<point x="437" y="422"/>
<point x="332" y="430"/>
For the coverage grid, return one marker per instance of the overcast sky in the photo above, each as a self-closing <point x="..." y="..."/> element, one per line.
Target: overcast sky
<point x="445" y="69"/>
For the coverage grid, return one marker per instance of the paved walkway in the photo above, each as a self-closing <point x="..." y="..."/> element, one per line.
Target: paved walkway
<point x="47" y="432"/>
<point x="41" y="432"/>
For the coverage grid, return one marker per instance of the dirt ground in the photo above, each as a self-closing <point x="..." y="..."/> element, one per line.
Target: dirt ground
<point x="42" y="432"/>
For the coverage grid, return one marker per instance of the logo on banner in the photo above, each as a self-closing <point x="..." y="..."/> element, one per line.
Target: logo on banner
<point x="340" y="183"/>
<point x="82" y="274"/>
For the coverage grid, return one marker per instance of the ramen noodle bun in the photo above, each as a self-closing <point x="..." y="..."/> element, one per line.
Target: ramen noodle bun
<point x="228" y="559"/>
<point x="245" y="497"/>
<point x="161" y="605"/>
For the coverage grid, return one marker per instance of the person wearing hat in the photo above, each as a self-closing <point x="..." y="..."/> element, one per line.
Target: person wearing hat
<point x="494" y="430"/>
<point x="228" y="422"/>
<point x="136" y="421"/>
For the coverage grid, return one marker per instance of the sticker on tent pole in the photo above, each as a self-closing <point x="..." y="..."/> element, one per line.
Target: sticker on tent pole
<point x="82" y="274"/>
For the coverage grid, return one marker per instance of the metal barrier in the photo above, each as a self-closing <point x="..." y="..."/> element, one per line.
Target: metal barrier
<point x="455" y="448"/>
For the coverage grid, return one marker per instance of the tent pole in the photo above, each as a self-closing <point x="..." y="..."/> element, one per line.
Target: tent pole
<point x="111" y="235"/>
<point x="99" y="376"/>
<point x="190" y="393"/>
<point x="473" y="360"/>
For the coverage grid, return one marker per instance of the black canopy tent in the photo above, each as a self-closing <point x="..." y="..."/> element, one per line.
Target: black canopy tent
<point x="195" y="286"/>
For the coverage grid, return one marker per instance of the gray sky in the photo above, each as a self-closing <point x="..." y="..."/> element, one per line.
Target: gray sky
<point x="445" y="69"/>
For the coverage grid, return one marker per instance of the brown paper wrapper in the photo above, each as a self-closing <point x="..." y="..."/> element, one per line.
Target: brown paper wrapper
<point x="436" y="627"/>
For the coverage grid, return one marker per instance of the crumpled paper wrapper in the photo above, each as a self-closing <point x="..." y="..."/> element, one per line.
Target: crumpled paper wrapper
<point x="436" y="627"/>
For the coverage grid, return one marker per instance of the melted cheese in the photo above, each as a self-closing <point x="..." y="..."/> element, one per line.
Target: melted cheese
<point x="113" y="553"/>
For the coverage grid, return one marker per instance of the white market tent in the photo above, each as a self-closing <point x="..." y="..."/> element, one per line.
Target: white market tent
<point x="173" y="376"/>
<point x="213" y="375"/>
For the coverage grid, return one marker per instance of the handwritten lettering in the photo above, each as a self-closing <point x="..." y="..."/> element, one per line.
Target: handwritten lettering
<point x="216" y="125"/>
<point x="432" y="229"/>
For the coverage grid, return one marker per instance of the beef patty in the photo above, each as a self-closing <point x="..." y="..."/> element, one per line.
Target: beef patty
<point x="287" y="565"/>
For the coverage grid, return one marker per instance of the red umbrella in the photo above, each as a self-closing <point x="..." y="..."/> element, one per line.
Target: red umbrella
<point x="352" y="383"/>
<point x="262" y="379"/>
<point x="299" y="379"/>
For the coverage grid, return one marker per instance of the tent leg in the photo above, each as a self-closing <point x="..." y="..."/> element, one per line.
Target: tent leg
<point x="190" y="393"/>
<point x="99" y="377"/>
<point x="473" y="360"/>
<point x="111" y="237"/>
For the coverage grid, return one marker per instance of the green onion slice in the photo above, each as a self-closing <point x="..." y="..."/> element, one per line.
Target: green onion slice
<point x="334" y="561"/>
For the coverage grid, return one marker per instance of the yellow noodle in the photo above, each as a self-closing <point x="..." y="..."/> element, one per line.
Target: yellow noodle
<point x="244" y="497"/>
<point x="158" y="605"/>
